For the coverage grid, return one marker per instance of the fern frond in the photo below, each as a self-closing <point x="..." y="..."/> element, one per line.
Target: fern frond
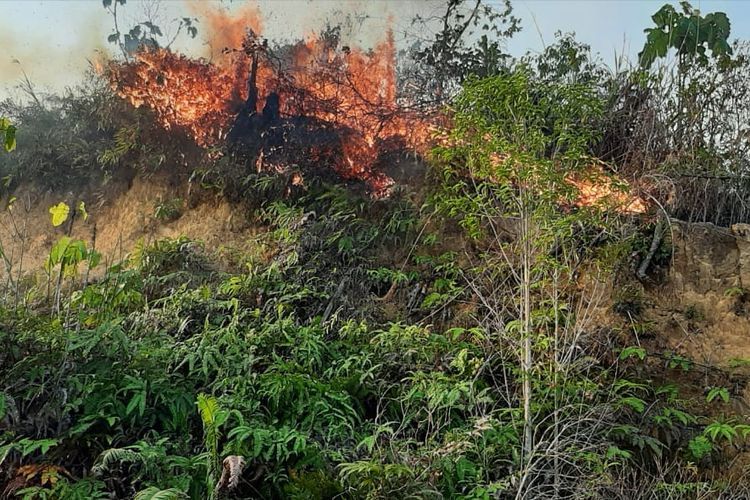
<point x="114" y="456"/>
<point x="154" y="493"/>
<point x="208" y="407"/>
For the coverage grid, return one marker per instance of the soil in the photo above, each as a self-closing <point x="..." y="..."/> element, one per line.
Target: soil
<point x="120" y="218"/>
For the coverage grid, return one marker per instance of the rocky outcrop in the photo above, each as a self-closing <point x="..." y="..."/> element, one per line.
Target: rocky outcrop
<point x="701" y="310"/>
<point x="742" y="238"/>
<point x="708" y="258"/>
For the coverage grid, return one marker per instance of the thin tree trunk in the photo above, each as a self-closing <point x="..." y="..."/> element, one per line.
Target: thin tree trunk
<point x="556" y="380"/>
<point x="655" y="243"/>
<point x="526" y="362"/>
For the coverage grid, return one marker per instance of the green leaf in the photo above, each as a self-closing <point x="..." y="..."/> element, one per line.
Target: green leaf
<point x="5" y="451"/>
<point x="699" y="447"/>
<point x="29" y="446"/>
<point x="715" y="430"/>
<point x="94" y="259"/>
<point x="720" y="23"/>
<point x="154" y="493"/>
<point x="721" y="47"/>
<point x="631" y="351"/>
<point x="683" y="417"/>
<point x="58" y="251"/>
<point x="615" y="452"/>
<point x="82" y="210"/>
<point x="657" y="44"/>
<point x="257" y="443"/>
<point x="137" y="401"/>
<point x="153" y="29"/>
<point x="664" y="16"/>
<point x="635" y="403"/>
<point x="720" y="392"/>
<point x="10" y="138"/>
<point x="742" y="429"/>
<point x="59" y="213"/>
<point x="688" y="9"/>
<point x="345" y="244"/>
<point x="688" y="33"/>
<point x="208" y="407"/>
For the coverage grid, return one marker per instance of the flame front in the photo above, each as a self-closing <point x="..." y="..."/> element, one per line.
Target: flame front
<point x="182" y="92"/>
<point x="352" y="89"/>
<point x="598" y="189"/>
<point x="349" y="88"/>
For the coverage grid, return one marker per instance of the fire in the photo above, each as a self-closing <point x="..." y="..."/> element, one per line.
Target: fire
<point x="599" y="189"/>
<point x="595" y="188"/>
<point x="347" y="87"/>
<point x="183" y="92"/>
<point x="352" y="90"/>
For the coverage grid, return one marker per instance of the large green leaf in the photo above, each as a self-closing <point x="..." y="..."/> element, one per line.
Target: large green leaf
<point x="94" y="258"/>
<point x="7" y="134"/>
<point x="75" y="252"/>
<point x="58" y="252"/>
<point x="664" y="16"/>
<point x="59" y="213"/>
<point x="656" y="46"/>
<point x="689" y="33"/>
<point x="720" y="23"/>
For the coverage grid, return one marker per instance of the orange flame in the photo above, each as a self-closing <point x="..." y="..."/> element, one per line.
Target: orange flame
<point x="350" y="88"/>
<point x="598" y="189"/>
<point x="594" y="187"/>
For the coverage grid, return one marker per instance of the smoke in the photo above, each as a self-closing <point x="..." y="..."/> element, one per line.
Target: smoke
<point x="43" y="44"/>
<point x="363" y="23"/>
<point x="52" y="41"/>
<point x="223" y="28"/>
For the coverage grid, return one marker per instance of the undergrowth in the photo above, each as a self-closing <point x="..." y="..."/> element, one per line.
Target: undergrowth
<point x="145" y="380"/>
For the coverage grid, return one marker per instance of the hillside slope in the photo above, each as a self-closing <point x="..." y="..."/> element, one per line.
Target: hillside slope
<point x="121" y="216"/>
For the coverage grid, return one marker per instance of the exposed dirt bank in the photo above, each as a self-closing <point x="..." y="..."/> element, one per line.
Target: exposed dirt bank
<point x="142" y="211"/>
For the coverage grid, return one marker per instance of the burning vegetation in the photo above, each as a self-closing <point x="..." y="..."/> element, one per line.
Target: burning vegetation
<point x="299" y="106"/>
<point x="316" y="99"/>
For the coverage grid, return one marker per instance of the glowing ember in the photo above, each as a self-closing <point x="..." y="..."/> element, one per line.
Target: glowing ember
<point x="353" y="90"/>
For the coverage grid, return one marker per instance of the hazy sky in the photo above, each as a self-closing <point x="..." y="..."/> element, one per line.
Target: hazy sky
<point x="51" y="40"/>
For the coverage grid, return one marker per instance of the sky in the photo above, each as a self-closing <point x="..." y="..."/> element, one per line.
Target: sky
<point x="609" y="26"/>
<point x="52" y="41"/>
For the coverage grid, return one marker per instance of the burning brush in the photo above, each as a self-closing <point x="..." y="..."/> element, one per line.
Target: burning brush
<point x="313" y="102"/>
